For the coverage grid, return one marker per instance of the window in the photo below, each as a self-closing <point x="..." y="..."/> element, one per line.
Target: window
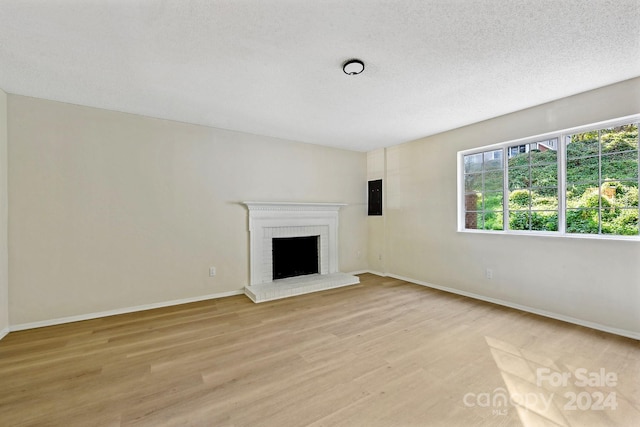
<point x="483" y="181"/>
<point x="580" y="181"/>
<point x="602" y="181"/>
<point x="533" y="187"/>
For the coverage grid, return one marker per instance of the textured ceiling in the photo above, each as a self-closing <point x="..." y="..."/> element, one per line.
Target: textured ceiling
<point x="273" y="67"/>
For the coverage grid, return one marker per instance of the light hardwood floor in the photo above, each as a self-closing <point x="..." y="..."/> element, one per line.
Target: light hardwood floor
<point x="381" y="353"/>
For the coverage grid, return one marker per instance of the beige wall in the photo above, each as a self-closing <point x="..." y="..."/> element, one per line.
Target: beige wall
<point x="4" y="253"/>
<point x="375" y="224"/>
<point x="590" y="280"/>
<point x="111" y="210"/>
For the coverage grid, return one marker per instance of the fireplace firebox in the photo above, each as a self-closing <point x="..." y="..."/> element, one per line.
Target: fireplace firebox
<point x="295" y="256"/>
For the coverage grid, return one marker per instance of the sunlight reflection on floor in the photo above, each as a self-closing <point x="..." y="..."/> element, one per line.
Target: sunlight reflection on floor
<point x="547" y="392"/>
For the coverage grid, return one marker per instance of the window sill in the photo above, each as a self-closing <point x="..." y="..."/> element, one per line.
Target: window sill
<point x="554" y="235"/>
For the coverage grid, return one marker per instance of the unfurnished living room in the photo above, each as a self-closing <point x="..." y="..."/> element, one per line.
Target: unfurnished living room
<point x="330" y="213"/>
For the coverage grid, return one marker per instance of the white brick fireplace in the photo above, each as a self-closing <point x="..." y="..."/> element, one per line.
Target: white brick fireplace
<point x="271" y="220"/>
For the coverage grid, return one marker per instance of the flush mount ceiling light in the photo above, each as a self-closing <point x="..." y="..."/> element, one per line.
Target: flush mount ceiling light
<point x="353" y="67"/>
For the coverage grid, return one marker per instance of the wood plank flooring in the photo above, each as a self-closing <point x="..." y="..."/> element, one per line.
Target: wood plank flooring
<point x="381" y="353"/>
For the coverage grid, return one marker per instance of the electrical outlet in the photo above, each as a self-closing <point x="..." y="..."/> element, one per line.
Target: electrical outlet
<point x="212" y="271"/>
<point x="488" y="273"/>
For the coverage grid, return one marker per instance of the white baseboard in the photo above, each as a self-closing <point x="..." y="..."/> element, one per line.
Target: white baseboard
<point x="89" y="316"/>
<point x="592" y="325"/>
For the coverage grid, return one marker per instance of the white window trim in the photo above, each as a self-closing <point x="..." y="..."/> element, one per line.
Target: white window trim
<point x="560" y="134"/>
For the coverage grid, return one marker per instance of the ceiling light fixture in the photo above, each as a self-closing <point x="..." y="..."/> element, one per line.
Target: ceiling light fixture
<point x="353" y="67"/>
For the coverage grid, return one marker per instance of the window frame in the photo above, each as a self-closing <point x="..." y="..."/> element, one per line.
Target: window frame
<point x="561" y="136"/>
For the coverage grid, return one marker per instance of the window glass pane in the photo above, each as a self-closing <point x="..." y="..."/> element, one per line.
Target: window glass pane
<point x="493" y="220"/>
<point x="493" y="160"/>
<point x="544" y="176"/>
<point x="619" y="208"/>
<point x="545" y="152"/>
<point x="519" y="154"/>
<point x="519" y="220"/>
<point x="576" y="192"/>
<point x="493" y="201"/>
<point x="518" y="177"/>
<point x="544" y="199"/>
<point x="620" y="165"/>
<point x="622" y="194"/>
<point x="519" y="200"/>
<point x="621" y="138"/>
<point x="590" y="198"/>
<point x="473" y="182"/>
<point x="472" y="202"/>
<point x="493" y="180"/>
<point x="582" y="144"/>
<point x="625" y="222"/>
<point x="583" y="170"/>
<point x="544" y="220"/>
<point x="582" y="221"/>
<point x="473" y="220"/>
<point x="473" y="163"/>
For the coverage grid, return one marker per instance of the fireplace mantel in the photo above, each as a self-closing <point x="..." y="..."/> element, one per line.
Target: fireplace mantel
<point x="293" y="206"/>
<point x="269" y="220"/>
